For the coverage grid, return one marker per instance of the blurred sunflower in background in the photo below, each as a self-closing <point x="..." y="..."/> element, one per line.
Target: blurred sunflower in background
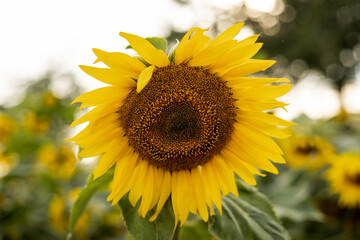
<point x="58" y="215"/>
<point x="181" y="125"/>
<point x="8" y="126"/>
<point x="36" y="124"/>
<point x="49" y="100"/>
<point x="309" y="152"/>
<point x="7" y="162"/>
<point x="59" y="161"/>
<point x="344" y="179"/>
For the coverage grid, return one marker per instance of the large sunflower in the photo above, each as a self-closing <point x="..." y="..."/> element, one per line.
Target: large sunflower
<point x="344" y="178"/>
<point x="182" y="127"/>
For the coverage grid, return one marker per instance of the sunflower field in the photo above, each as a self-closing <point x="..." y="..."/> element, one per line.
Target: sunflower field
<point x="240" y="122"/>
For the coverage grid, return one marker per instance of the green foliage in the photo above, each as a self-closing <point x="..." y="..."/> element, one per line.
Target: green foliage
<point x="317" y="32"/>
<point x="159" y="43"/>
<point x="291" y="193"/>
<point x="249" y="216"/>
<point x="195" y="229"/>
<point x="142" y="228"/>
<point x="87" y="193"/>
<point x="38" y="182"/>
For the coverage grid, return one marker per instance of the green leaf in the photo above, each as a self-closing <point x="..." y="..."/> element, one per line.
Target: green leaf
<point x="141" y="228"/>
<point x="195" y="229"/>
<point x="159" y="43"/>
<point x="249" y="216"/>
<point x="85" y="195"/>
<point x="292" y="196"/>
<point x="172" y="51"/>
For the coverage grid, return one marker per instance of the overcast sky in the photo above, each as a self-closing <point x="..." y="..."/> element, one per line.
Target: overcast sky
<point x="39" y="35"/>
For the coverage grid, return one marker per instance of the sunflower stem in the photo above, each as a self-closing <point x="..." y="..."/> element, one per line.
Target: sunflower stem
<point x="177" y="233"/>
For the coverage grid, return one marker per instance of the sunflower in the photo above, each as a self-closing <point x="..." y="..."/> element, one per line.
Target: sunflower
<point x="36" y="124"/>
<point x="8" y="127"/>
<point x="7" y="162"/>
<point x="181" y="125"/>
<point x="344" y="178"/>
<point x="59" y="161"/>
<point x="309" y="152"/>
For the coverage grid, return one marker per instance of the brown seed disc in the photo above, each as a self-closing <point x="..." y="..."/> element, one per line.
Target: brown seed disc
<point x="353" y="179"/>
<point x="181" y="119"/>
<point x="307" y="150"/>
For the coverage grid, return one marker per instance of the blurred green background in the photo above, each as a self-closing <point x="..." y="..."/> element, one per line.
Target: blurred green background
<point x="316" y="45"/>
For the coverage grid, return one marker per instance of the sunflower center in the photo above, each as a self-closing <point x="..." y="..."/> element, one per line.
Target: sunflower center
<point x="307" y="150"/>
<point x="179" y="123"/>
<point x="181" y="119"/>
<point x="355" y="179"/>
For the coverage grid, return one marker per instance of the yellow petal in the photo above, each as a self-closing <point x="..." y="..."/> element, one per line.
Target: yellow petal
<point x="97" y="112"/>
<point x="165" y="193"/>
<point x="191" y="195"/>
<point x="182" y="197"/>
<point x="249" y="40"/>
<point x="253" y="170"/>
<point x="199" y="193"/>
<point x="188" y="47"/>
<point x="235" y="57"/>
<point x="208" y="173"/>
<point x="228" y="34"/>
<point x="241" y="170"/>
<point x="265" y="117"/>
<point x="116" y="148"/>
<point x="262" y="126"/>
<point x="98" y="129"/>
<point x="256" y="159"/>
<point x="220" y="178"/>
<point x="102" y="95"/>
<point x="147" y="51"/>
<point x="249" y="67"/>
<point x="92" y="147"/>
<point x="258" y="138"/>
<point x="175" y="196"/>
<point x="250" y="104"/>
<point x="144" y="78"/>
<point x="211" y="54"/>
<point x="125" y="175"/>
<point x="263" y="92"/>
<point x="225" y="173"/>
<point x="207" y="190"/>
<point x="90" y="137"/>
<point x="136" y="190"/>
<point x="123" y="63"/>
<point x="245" y="82"/>
<point x="263" y="153"/>
<point x="109" y="76"/>
<point x="148" y="191"/>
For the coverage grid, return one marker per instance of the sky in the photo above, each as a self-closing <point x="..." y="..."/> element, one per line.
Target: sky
<point x="41" y="35"/>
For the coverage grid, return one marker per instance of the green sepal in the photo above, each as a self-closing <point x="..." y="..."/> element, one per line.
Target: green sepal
<point x="173" y="50"/>
<point x="85" y="195"/>
<point x="249" y="216"/>
<point x="159" y="43"/>
<point x="141" y="228"/>
<point x="143" y="61"/>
